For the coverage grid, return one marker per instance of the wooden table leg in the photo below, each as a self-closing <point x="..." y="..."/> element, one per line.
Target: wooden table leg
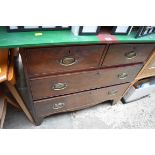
<point x="3" y="107"/>
<point x="12" y="101"/>
<point x="19" y="100"/>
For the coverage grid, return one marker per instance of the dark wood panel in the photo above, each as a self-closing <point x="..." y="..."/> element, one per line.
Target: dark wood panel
<point x="78" y="100"/>
<point x="23" y="87"/>
<point x="75" y="82"/>
<point x="119" y="54"/>
<point x="44" y="61"/>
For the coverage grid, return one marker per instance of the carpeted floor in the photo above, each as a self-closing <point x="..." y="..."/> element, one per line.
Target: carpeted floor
<point x="139" y="114"/>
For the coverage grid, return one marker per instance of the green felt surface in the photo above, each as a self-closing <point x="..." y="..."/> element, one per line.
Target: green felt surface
<point x="28" y="39"/>
<point x="131" y="38"/>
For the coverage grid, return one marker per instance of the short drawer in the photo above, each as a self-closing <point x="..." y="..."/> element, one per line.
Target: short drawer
<point x="44" y="61"/>
<point x="119" y="54"/>
<point x="70" y="83"/>
<point x="78" y="101"/>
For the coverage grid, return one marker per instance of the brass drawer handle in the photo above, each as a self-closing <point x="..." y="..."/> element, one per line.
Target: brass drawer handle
<point x="122" y="76"/>
<point x="59" y="86"/>
<point x="58" y="105"/>
<point x="113" y="92"/>
<point x="68" y="61"/>
<point x="130" y="55"/>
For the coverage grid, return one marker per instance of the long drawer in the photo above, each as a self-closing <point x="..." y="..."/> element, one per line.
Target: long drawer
<point x="120" y="54"/>
<point x="51" y="60"/>
<point x="70" y="83"/>
<point x="79" y="100"/>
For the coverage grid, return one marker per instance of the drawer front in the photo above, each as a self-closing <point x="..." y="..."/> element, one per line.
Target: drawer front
<point x="119" y="54"/>
<point x="52" y="60"/>
<point x="75" y="82"/>
<point x="78" y="100"/>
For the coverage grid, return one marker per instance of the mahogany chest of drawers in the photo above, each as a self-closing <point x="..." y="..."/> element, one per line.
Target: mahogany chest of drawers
<point x="71" y="77"/>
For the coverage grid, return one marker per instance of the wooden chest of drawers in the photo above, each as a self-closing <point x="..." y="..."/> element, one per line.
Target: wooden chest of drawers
<point x="68" y="78"/>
